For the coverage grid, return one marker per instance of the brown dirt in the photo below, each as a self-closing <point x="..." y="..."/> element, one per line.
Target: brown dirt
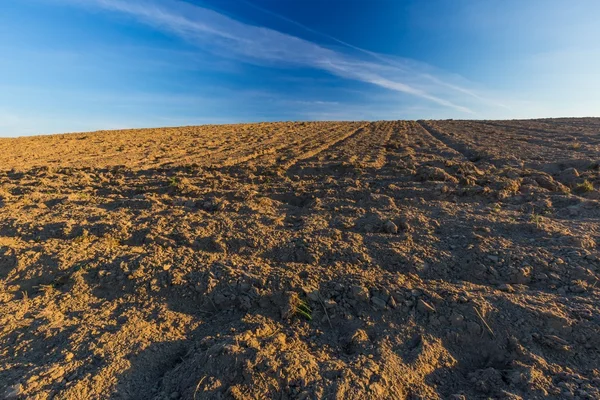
<point x="421" y="260"/>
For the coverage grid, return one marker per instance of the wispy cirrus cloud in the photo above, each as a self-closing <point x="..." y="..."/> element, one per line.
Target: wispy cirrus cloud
<point x="230" y="38"/>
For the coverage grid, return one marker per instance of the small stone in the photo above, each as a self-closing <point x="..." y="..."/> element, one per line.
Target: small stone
<point x="425" y="307"/>
<point x="174" y="395"/>
<point x="245" y="287"/>
<point x="390" y="227"/>
<point x="541" y="276"/>
<point x="555" y="342"/>
<point x="577" y="288"/>
<point x="219" y="299"/>
<point x="562" y="291"/>
<point x="360" y="293"/>
<point x="304" y="274"/>
<point x="379" y="302"/>
<point x="506" y="288"/>
<point x="547" y="182"/>
<point x="493" y="258"/>
<point x="457" y="319"/>
<point x="330" y="303"/>
<point x="313" y="295"/>
<point x="435" y="174"/>
<point x="569" y="176"/>
<point x="13" y="392"/>
<point x="404" y="225"/>
<point x="522" y="275"/>
<point x="392" y="302"/>
<point x="358" y="342"/>
<point x="474" y="328"/>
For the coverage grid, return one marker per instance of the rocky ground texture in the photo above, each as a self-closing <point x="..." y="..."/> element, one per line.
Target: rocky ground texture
<point x="326" y="260"/>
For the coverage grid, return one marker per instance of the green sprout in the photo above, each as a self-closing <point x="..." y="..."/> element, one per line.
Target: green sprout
<point x="304" y="310"/>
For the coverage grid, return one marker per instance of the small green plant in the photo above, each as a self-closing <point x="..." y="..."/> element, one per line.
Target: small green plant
<point x="173" y="182"/>
<point x="585" y="187"/>
<point x="537" y="219"/>
<point x="80" y="267"/>
<point x="303" y="310"/>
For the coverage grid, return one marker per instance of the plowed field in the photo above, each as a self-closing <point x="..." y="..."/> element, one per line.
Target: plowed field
<point x="321" y="260"/>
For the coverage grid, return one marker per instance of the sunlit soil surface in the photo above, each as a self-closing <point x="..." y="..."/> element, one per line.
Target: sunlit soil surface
<point x="326" y="260"/>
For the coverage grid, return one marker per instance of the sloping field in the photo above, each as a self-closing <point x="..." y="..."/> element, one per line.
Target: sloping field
<point x="326" y="260"/>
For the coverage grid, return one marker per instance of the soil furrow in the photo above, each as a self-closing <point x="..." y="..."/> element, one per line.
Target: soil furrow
<point x="273" y="144"/>
<point x="306" y="155"/>
<point x="460" y="148"/>
<point x="300" y="144"/>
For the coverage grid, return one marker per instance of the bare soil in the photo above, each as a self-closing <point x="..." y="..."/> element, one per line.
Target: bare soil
<point x="326" y="260"/>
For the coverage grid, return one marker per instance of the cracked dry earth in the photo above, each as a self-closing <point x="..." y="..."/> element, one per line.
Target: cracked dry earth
<point x="326" y="260"/>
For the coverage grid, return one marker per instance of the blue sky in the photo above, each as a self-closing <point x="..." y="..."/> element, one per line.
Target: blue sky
<point x="78" y="65"/>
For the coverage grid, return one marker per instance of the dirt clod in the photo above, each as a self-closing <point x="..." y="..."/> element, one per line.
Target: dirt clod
<point x="390" y="227"/>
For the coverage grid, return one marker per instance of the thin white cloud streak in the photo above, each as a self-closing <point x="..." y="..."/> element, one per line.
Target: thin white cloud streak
<point x="230" y="38"/>
<point x="379" y="57"/>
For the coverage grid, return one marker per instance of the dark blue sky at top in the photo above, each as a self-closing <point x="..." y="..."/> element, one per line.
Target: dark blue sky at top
<point x="71" y="65"/>
<point x="386" y="26"/>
